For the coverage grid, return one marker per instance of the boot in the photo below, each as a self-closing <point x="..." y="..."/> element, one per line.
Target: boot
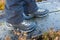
<point x="30" y="27"/>
<point x="26" y="26"/>
<point x="38" y="13"/>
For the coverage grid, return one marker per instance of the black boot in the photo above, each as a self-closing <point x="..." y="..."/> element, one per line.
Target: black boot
<point x="38" y="13"/>
<point x="31" y="28"/>
<point x="27" y="26"/>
